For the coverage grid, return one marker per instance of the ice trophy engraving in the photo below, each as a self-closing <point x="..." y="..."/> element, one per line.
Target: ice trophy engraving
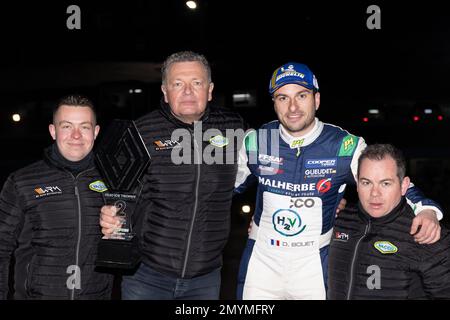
<point x="121" y="158"/>
<point x="125" y="231"/>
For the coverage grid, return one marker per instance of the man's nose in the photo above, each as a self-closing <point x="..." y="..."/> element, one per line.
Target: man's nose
<point x="76" y="133"/>
<point x="293" y="105"/>
<point x="375" y="191"/>
<point x="187" y="89"/>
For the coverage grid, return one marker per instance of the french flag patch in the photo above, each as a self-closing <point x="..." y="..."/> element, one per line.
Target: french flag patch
<point x="275" y="242"/>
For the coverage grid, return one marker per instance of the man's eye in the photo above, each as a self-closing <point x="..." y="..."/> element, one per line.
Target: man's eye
<point x="302" y="96"/>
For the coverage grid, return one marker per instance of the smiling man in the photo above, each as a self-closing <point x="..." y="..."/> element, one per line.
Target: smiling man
<point x="49" y="214"/>
<point x="74" y="129"/>
<point x="372" y="253"/>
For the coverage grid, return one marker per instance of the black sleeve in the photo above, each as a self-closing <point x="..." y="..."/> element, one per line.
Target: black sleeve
<point x="435" y="269"/>
<point x="11" y="221"/>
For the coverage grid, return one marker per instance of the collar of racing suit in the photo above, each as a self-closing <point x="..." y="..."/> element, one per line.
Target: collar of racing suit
<point x="303" y="141"/>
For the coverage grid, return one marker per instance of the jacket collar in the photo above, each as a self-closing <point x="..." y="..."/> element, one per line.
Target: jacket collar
<point x="54" y="158"/>
<point x="391" y="216"/>
<point x="167" y="113"/>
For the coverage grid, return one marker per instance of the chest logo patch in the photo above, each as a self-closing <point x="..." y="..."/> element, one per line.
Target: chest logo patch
<point x="219" y="141"/>
<point x="297" y="143"/>
<point x="341" y="236"/>
<point x="385" y="247"/>
<point x="287" y="222"/>
<point x="324" y="185"/>
<point x="46" y="191"/>
<point x="166" y="145"/>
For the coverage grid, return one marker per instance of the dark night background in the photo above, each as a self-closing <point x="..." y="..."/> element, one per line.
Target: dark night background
<point x="400" y="69"/>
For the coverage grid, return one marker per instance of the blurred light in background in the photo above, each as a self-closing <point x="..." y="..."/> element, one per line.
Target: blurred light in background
<point x="246" y="209"/>
<point x="191" y="4"/>
<point x="16" y="117"/>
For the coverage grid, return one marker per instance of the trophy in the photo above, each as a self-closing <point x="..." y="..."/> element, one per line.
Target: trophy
<point x="121" y="158"/>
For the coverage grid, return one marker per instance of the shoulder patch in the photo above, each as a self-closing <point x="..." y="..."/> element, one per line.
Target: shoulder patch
<point x="348" y="146"/>
<point x="385" y="247"/>
<point x="98" y="186"/>
<point x="251" y="144"/>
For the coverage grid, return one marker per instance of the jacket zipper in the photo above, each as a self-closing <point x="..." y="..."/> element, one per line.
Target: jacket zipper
<point x="77" y="194"/>
<point x="354" y="260"/>
<point x="77" y="252"/>
<point x="197" y="182"/>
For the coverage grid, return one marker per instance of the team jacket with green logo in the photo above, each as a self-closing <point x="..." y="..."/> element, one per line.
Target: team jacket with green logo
<point x="377" y="258"/>
<point x="185" y="205"/>
<point x="49" y="221"/>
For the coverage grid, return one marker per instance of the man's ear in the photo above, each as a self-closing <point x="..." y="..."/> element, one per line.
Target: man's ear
<point x="405" y="185"/>
<point x="164" y="91"/>
<point x="96" y="131"/>
<point x="52" y="130"/>
<point x="210" y="90"/>
<point x="317" y="100"/>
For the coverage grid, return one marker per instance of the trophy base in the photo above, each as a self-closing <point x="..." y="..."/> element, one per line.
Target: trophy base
<point x="118" y="253"/>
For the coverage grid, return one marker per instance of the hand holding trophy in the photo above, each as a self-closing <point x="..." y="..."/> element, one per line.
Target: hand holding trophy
<point x="121" y="159"/>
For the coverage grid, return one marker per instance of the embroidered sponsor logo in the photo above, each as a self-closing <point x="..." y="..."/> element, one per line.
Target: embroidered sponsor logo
<point x="348" y="146"/>
<point x="318" y="173"/>
<point x="341" y="236"/>
<point x="287" y="244"/>
<point x="166" y="145"/>
<point x="98" y="186"/>
<point x="385" y="247"/>
<point x="303" y="189"/>
<point x="297" y="143"/>
<point x="47" y="191"/>
<point x="302" y="202"/>
<point x="324" y="185"/>
<point x="266" y="159"/>
<point x="219" y="141"/>
<point x="287" y="185"/>
<point x="320" y="163"/>
<point x="287" y="222"/>
<point x="289" y="72"/>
